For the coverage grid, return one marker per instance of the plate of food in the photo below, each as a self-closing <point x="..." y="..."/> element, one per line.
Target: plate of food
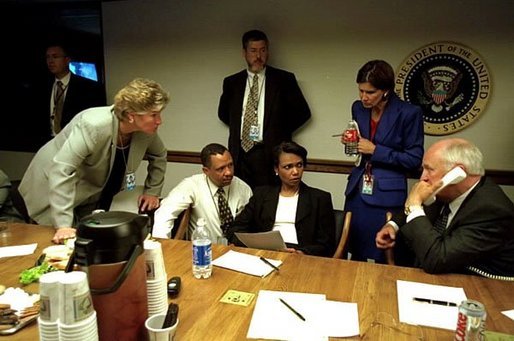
<point x="17" y="309"/>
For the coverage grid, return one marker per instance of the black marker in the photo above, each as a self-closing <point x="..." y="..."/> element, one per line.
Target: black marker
<point x="438" y="302"/>
<point x="269" y="263"/>
<point x="292" y="309"/>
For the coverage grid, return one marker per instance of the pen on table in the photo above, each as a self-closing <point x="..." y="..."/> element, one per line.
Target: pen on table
<point x="269" y="263"/>
<point x="337" y="135"/>
<point x="438" y="302"/>
<point x="292" y="309"/>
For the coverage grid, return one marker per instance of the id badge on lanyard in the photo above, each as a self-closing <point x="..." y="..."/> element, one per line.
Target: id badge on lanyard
<point x="254" y="132"/>
<point x="367" y="180"/>
<point x="130" y="181"/>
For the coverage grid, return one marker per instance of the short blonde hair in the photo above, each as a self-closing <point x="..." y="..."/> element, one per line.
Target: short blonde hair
<point x="140" y="96"/>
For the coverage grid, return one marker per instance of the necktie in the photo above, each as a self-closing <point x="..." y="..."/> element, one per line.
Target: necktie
<point x="58" y="104"/>
<point x="442" y="220"/>
<point x="224" y="211"/>
<point x="250" y="116"/>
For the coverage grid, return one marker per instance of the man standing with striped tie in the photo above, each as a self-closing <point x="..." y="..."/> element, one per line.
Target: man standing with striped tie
<point x="262" y="106"/>
<point x="67" y="94"/>
<point x="469" y="228"/>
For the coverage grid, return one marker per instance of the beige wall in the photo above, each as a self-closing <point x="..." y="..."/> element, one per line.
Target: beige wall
<point x="191" y="45"/>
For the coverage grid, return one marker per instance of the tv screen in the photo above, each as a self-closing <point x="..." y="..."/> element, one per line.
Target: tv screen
<point x="83" y="69"/>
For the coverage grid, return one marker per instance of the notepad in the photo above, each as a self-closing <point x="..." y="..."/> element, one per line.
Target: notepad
<point x="425" y="314"/>
<point x="271" y="240"/>
<point x="271" y="319"/>
<point x="248" y="264"/>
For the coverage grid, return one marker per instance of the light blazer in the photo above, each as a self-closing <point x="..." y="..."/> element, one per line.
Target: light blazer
<point x="399" y="148"/>
<point x="481" y="234"/>
<point x="315" y="222"/>
<point x="72" y="168"/>
<point x="285" y="108"/>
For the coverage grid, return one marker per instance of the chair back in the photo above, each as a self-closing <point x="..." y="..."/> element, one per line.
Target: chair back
<point x="343" y="220"/>
<point x="389" y="253"/>
<point x="181" y="224"/>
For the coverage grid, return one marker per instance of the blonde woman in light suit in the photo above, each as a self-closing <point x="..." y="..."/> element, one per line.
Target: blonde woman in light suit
<point x="95" y="156"/>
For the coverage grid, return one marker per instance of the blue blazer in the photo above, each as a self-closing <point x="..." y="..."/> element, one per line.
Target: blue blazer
<point x="399" y="148"/>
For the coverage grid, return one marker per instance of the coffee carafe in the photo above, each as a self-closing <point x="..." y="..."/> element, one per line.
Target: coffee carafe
<point x="109" y="248"/>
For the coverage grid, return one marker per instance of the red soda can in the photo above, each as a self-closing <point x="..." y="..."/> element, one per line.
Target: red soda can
<point x="471" y="321"/>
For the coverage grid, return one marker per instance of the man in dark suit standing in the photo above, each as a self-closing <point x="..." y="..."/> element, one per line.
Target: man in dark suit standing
<point x="262" y="106"/>
<point x="67" y="94"/>
<point x="470" y="227"/>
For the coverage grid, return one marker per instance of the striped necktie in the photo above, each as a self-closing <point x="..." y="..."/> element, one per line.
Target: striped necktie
<point x="226" y="218"/>
<point x="58" y="104"/>
<point x="250" y="116"/>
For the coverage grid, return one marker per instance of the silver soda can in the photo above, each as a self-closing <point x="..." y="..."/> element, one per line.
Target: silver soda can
<point x="471" y="321"/>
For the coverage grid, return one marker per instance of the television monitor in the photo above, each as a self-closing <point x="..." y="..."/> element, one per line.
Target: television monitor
<point x="83" y="69"/>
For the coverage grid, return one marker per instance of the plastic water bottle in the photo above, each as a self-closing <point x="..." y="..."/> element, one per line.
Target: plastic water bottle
<point x="202" y="251"/>
<point x="351" y="135"/>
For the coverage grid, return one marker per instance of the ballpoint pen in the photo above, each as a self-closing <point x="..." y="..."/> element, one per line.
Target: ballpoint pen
<point x="269" y="263"/>
<point x="292" y="309"/>
<point x="438" y="302"/>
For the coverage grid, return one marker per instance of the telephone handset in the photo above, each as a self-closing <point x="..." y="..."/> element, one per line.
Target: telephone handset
<point x="453" y="177"/>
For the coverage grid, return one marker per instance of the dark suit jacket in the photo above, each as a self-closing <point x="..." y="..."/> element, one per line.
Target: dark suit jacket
<point x="285" y="109"/>
<point x="81" y="94"/>
<point x="481" y="234"/>
<point x="399" y="148"/>
<point x="315" y="222"/>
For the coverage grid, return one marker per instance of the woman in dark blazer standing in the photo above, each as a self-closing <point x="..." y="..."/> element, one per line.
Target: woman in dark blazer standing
<point x="391" y="144"/>
<point x="303" y="215"/>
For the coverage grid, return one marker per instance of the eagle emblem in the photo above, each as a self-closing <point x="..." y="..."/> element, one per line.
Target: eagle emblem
<point x="440" y="85"/>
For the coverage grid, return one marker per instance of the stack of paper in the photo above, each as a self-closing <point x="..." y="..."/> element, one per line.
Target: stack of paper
<point x="299" y="316"/>
<point x="429" y="305"/>
<point x="248" y="264"/>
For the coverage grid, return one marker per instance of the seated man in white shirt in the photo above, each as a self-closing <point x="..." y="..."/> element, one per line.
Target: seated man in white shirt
<point x="200" y="191"/>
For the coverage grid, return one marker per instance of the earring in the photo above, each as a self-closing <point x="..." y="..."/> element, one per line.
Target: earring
<point x="276" y="173"/>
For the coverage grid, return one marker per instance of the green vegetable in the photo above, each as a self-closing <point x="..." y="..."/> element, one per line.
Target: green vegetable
<point x="31" y="275"/>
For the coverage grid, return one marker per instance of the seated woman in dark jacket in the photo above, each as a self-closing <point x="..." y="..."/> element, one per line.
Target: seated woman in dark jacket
<point x="303" y="215"/>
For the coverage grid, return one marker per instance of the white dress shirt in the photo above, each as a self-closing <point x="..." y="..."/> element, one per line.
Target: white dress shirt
<point x="199" y="192"/>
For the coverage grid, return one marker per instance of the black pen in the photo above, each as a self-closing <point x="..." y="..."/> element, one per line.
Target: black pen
<point x="438" y="302"/>
<point x="292" y="309"/>
<point x="269" y="263"/>
<point x="337" y="135"/>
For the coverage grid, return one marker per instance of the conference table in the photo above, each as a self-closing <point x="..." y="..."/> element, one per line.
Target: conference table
<point x="203" y="317"/>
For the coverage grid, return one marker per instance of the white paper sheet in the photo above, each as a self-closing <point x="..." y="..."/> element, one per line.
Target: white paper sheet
<point x="245" y="263"/>
<point x="271" y="319"/>
<point x="271" y="240"/>
<point x="509" y="313"/>
<point x="17" y="250"/>
<point x="428" y="314"/>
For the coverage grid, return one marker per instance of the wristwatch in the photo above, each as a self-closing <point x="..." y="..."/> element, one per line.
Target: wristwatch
<point x="411" y="208"/>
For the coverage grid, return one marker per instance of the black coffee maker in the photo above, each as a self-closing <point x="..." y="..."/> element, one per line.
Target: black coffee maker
<point x="109" y="248"/>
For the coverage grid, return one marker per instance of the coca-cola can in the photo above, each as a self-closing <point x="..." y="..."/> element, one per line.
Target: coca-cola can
<point x="470" y="321"/>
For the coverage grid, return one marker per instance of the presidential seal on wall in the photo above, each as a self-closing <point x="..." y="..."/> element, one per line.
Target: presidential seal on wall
<point x="449" y="81"/>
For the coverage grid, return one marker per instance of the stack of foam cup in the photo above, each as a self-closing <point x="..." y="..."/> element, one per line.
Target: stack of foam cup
<point x="156" y="278"/>
<point x="78" y="318"/>
<point x="50" y="305"/>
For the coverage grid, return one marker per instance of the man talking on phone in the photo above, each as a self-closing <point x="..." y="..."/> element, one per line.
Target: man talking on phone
<point x="468" y="229"/>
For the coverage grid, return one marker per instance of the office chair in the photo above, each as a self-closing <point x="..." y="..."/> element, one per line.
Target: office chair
<point x="181" y="224"/>
<point x="389" y="253"/>
<point x="343" y="220"/>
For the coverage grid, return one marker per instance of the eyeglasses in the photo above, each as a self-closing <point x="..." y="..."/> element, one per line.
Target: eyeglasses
<point x="383" y="326"/>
